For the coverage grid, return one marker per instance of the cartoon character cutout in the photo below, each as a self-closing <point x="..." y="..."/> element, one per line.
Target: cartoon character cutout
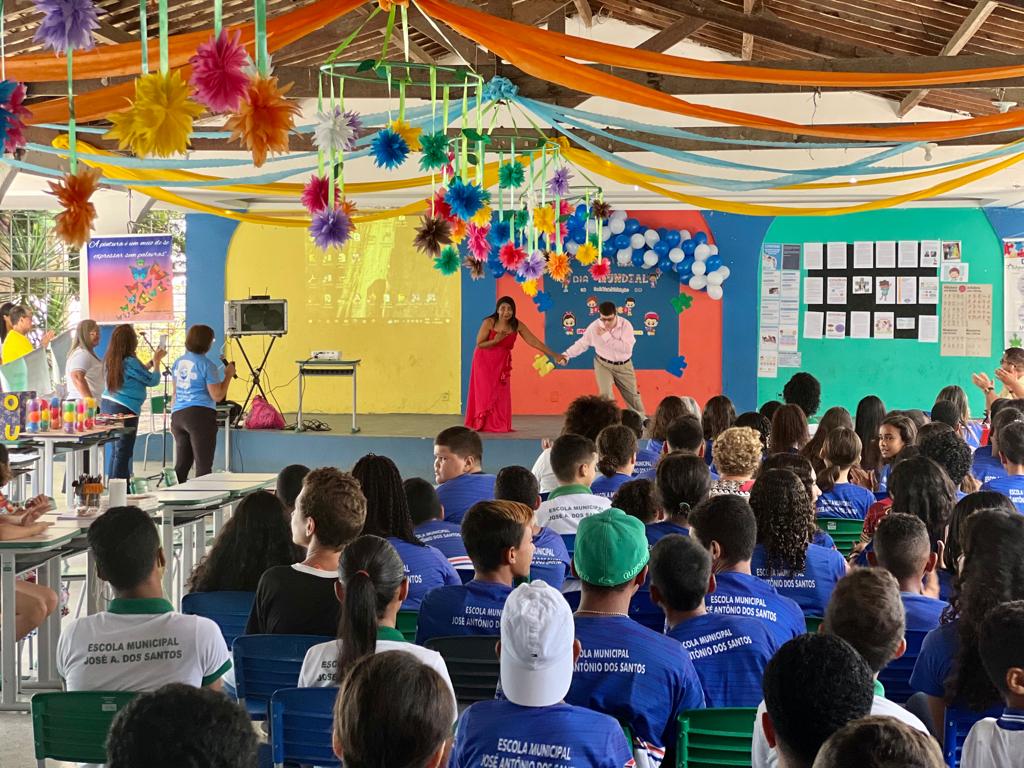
<point x="569" y="324"/>
<point x="651" y="320"/>
<point x="592" y="305"/>
<point x="628" y="306"/>
<point x="884" y="286"/>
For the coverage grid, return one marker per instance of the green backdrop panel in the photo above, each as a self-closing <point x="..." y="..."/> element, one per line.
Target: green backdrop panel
<point x="904" y="373"/>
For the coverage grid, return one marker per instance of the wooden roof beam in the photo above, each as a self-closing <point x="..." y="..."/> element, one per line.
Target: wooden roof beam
<point x="971" y="24"/>
<point x="672" y="34"/>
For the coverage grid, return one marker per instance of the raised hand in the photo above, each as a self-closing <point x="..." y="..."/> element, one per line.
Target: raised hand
<point x="981" y="381"/>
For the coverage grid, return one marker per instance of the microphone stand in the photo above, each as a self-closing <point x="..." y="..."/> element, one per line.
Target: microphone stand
<point x="163" y="434"/>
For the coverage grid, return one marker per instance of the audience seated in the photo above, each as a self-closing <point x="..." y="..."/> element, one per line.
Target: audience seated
<point x="869" y="416"/>
<point x="726" y="527"/>
<point x="783" y="556"/>
<point x="299" y="599"/>
<point x="999" y="742"/>
<point x="537" y="655"/>
<point x="289" y="483"/>
<point x="879" y="742"/>
<point x="430" y="526"/>
<point x="370" y="587"/>
<point x="393" y="710"/>
<point x="834" y="418"/>
<point x="803" y="390"/>
<point x="986" y="464"/>
<point x="684" y="435"/>
<point x="683" y="483"/>
<point x="387" y="516"/>
<point x="801" y="467"/>
<point x="669" y="409"/>
<point x="841" y="498"/>
<point x="642" y="679"/>
<point x="587" y="415"/>
<point x="1011" y="456"/>
<point x="803" y="704"/>
<point x="738" y="452"/>
<point x="458" y="471"/>
<point x="789" y="430"/>
<point x="729" y="652"/>
<point x="949" y="451"/>
<point x="896" y="433"/>
<point x="768" y="409"/>
<point x="630" y="418"/>
<point x="499" y="540"/>
<point x="953" y="551"/>
<point x="966" y="428"/>
<point x="550" y="556"/>
<point x="616" y="452"/>
<point x="640" y="499"/>
<point x="574" y="460"/>
<point x="255" y="538"/>
<point x="903" y="549"/>
<point x="719" y="414"/>
<point x="178" y="726"/>
<point x="755" y="421"/>
<point x="140" y="642"/>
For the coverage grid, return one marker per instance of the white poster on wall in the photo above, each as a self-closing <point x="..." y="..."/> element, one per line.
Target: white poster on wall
<point x="1013" y="293"/>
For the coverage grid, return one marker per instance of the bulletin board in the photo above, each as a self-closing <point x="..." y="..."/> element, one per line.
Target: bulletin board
<point x="903" y="370"/>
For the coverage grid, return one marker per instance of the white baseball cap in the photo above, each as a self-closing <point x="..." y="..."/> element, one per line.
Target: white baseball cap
<point x="537" y="634"/>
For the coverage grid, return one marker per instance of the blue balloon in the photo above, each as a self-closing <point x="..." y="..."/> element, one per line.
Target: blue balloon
<point x="684" y="270"/>
<point x="632" y="225"/>
<point x="581" y="211"/>
<point x="713" y="262"/>
<point x="621" y="241"/>
<point x="665" y="264"/>
<point x="687" y="263"/>
<point x="662" y="232"/>
<point x="662" y="248"/>
<point x="580" y="236"/>
<point x="700" y="237"/>
<point x="608" y="249"/>
<point x="689" y="246"/>
<point x="497" y="271"/>
<point x="672" y="237"/>
<point x="638" y="258"/>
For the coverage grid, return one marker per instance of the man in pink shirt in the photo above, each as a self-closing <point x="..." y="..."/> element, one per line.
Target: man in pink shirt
<point x="612" y="338"/>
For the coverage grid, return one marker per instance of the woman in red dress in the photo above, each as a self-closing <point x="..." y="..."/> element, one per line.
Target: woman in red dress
<point x="489" y="407"/>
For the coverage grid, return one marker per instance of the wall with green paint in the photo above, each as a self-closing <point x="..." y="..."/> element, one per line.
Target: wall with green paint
<point x="904" y="373"/>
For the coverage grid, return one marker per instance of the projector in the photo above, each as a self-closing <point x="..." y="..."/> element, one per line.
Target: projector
<point x="256" y="317"/>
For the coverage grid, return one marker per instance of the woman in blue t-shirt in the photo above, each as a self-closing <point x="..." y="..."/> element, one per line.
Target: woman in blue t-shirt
<point x="388" y="516"/>
<point x="199" y="385"/>
<point x="839" y="497"/>
<point x="616" y="450"/>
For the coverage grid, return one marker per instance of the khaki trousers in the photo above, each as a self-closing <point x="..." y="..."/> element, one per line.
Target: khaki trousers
<point x="623" y="377"/>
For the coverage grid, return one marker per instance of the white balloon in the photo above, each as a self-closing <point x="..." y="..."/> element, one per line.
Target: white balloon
<point x="701" y="252"/>
<point x="698" y="281"/>
<point x="624" y="258"/>
<point x="637" y="241"/>
<point x="572" y="246"/>
<point x="699" y="268"/>
<point x="617" y="226"/>
<point x="651" y="236"/>
<point x="676" y="255"/>
<point x="606" y="235"/>
<point x="591" y="226"/>
<point x="684" y="234"/>
<point x="714" y="250"/>
<point x="714" y="278"/>
<point x="724" y="272"/>
<point x="618" y="215"/>
<point x="715" y="291"/>
<point x="650" y="259"/>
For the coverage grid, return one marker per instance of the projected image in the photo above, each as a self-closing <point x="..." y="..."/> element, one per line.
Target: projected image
<point x="377" y="277"/>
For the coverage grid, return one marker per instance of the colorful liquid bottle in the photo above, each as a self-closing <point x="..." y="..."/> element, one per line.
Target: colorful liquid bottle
<point x="32" y="416"/>
<point x="44" y="414"/>
<point x="55" y="413"/>
<point x="69" y="417"/>
<point x="79" y="415"/>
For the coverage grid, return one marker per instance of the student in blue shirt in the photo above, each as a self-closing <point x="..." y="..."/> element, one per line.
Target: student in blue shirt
<point x="616" y="455"/>
<point x="1011" y="455"/>
<point x="728" y="652"/>
<point x="986" y="465"/>
<point x="839" y="497"/>
<point x="801" y="466"/>
<point x="669" y="409"/>
<point x="684" y="435"/>
<point x="550" y="557"/>
<point x="430" y="526"/>
<point x="461" y="481"/>
<point x="683" y="483"/>
<point x="499" y="540"/>
<point x="641" y="678"/>
<point x="992" y="572"/>
<point x="537" y="654"/>
<point x="719" y="414"/>
<point x="895" y="433"/>
<point x="126" y="379"/>
<point x="725" y="526"/>
<point x="640" y="499"/>
<point x="783" y="556"/>
<point x="199" y="384"/>
<point x="903" y="549"/>
<point x="387" y="516"/>
<point x="966" y="428"/>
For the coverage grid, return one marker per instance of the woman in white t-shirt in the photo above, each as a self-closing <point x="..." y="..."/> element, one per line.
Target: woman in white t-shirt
<point x="85" y="369"/>
<point x="371" y="588"/>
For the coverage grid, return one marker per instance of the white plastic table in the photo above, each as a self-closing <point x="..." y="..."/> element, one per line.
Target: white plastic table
<point x="188" y="508"/>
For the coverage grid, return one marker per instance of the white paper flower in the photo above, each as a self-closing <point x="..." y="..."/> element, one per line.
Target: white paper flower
<point x="333" y="133"/>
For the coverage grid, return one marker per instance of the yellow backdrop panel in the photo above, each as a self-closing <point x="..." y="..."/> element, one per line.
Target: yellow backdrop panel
<point x="378" y="300"/>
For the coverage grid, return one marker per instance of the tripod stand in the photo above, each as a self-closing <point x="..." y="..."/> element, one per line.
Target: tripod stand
<point x="255" y="384"/>
<point x="167" y="379"/>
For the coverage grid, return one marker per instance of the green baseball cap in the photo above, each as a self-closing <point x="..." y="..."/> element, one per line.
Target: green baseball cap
<point x="611" y="548"/>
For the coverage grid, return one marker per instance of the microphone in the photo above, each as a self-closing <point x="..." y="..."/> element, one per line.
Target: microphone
<point x="224" y="361"/>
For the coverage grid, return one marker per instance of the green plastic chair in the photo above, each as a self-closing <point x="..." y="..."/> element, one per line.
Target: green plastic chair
<point x="710" y="738"/>
<point x="73" y="727"/>
<point x="813" y="622"/>
<point x="845" y="533"/>
<point x="406" y="624"/>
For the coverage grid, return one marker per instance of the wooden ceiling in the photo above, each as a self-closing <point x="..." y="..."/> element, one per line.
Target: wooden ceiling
<point x="772" y="31"/>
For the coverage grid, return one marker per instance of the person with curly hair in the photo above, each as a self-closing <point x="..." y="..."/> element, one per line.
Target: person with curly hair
<point x="669" y="409"/>
<point x="950" y="452"/>
<point x="784" y="556"/>
<point x="803" y="390"/>
<point x="616" y="455"/>
<point x="719" y="415"/>
<point x="757" y="422"/>
<point x="737" y="457"/>
<point x="639" y="498"/>
<point x="586" y="416"/>
<point x="388" y="516"/>
<point x="789" y="430"/>
<point x="841" y="498"/>
<point x="255" y="538"/>
<point x="949" y="670"/>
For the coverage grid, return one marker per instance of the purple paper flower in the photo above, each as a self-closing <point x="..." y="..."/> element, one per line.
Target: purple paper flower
<point x="532" y="267"/>
<point x="558" y="184"/>
<point x="66" y="24"/>
<point x="355" y="121"/>
<point x="331" y="228"/>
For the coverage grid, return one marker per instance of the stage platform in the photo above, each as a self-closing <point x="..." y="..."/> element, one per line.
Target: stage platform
<point x="405" y="438"/>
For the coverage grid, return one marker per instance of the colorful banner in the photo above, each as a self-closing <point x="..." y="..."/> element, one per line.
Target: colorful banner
<point x="130" y="278"/>
<point x="1013" y="293"/>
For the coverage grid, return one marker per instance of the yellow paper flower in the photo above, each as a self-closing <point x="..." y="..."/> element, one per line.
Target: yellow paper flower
<point x="459" y="228"/>
<point x="544" y="219"/>
<point x="409" y="133"/>
<point x="558" y="267"/>
<point x="530" y="287"/>
<point x="159" y="121"/>
<point x="586" y="254"/>
<point x="125" y="129"/>
<point x="482" y="217"/>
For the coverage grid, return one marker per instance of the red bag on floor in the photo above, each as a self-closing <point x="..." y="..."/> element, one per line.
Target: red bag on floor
<point x="263" y="415"/>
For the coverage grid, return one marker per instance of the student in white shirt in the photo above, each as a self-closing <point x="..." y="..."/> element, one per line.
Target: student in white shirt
<point x="999" y="742"/>
<point x="574" y="460"/>
<point x="880" y="742"/>
<point x="140" y="643"/>
<point x="85" y="369"/>
<point x="371" y="586"/>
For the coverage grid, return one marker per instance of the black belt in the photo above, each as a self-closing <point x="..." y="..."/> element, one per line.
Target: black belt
<point x="612" y="362"/>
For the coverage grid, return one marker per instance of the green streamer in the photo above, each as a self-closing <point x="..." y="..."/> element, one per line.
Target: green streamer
<point x="164" y="60"/>
<point x="405" y="31"/>
<point x="352" y="36"/>
<point x="387" y="36"/>
<point x="262" y="59"/>
<point x="433" y="96"/>
<point x="401" y="99"/>
<point x="330" y="181"/>
<point x="144" y="36"/>
<point x="320" y="111"/>
<point x="218" y="16"/>
<point x="73" y="156"/>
